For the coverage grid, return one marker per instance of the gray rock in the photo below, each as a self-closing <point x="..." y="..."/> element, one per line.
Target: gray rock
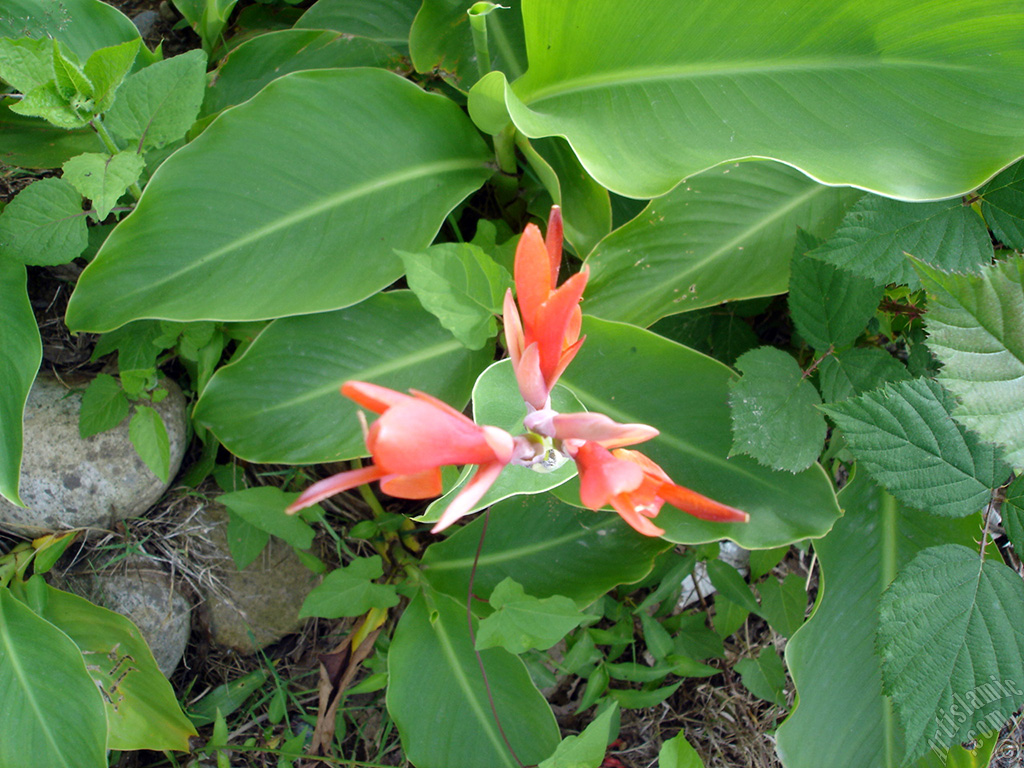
<point x="144" y="593"/>
<point x="67" y="482"/>
<point x="146" y="22"/>
<point x="258" y="605"/>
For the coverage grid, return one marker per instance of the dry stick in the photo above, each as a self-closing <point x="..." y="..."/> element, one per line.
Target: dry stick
<point x="472" y="640"/>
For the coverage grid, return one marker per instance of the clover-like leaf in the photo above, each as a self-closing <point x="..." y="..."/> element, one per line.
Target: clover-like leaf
<point x="774" y="418"/>
<point x="976" y="328"/>
<point x="908" y="424"/>
<point x="951" y="638"/>
<point x="521" y="622"/>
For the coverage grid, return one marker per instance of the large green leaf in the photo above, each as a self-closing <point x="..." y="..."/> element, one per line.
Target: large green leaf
<point x="142" y="710"/>
<point x="82" y="25"/>
<point x="975" y="327"/>
<point x="352" y="163"/>
<point x="439" y="701"/>
<point x="951" y="637"/>
<point x="20" y="353"/>
<point x="267" y="57"/>
<point x="636" y="376"/>
<point x="842" y="719"/>
<point x="30" y="142"/>
<point x="903" y="435"/>
<point x="386" y="21"/>
<point x="880" y="94"/>
<point x="549" y="547"/>
<point x="53" y="713"/>
<point x="725" y="234"/>
<point x="279" y="402"/>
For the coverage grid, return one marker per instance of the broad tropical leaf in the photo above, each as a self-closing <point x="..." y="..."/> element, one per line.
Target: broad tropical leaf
<point x="269" y="242"/>
<point x="871" y="94"/>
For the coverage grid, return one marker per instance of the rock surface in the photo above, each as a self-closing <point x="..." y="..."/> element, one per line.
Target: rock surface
<point x="260" y="604"/>
<point x="144" y="593"/>
<point x="67" y="482"/>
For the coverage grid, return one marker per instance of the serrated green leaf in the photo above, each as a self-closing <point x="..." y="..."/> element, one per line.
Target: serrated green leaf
<point x="264" y="507"/>
<point x="350" y="591"/>
<point x="1013" y="514"/>
<point x="856" y="371"/>
<point x="764" y="676"/>
<point x="44" y="224"/>
<point x="1002" y="205"/>
<point x="45" y="101"/>
<point x="104" y="178"/>
<point x="521" y="622"/>
<point x="104" y="406"/>
<point x="829" y="305"/>
<point x="951" y="638"/>
<point x="588" y="749"/>
<point x="461" y="286"/>
<point x="158" y="104"/>
<point x="107" y="68"/>
<point x="877" y="233"/>
<point x="26" y="63"/>
<point x="678" y="753"/>
<point x="21" y="351"/>
<point x="908" y="425"/>
<point x="773" y="411"/>
<point x="976" y="328"/>
<point x="72" y="84"/>
<point x="149" y="437"/>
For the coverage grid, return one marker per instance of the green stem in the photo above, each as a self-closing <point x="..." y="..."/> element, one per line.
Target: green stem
<point x="478" y="24"/>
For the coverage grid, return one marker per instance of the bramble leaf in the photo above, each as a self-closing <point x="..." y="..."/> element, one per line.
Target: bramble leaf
<point x="856" y="371"/>
<point x="104" y="406"/>
<point x="877" y="232"/>
<point x="773" y="411"/>
<point x="976" y="328"/>
<point x="1013" y="514"/>
<point x="951" y="638"/>
<point x="1002" y="205"/>
<point x="829" y="305"/>
<point x="908" y="425"/>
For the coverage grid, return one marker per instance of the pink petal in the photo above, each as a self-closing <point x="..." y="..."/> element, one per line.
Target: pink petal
<point x="513" y="329"/>
<point x="531" y="383"/>
<point x="329" y="486"/>
<point x="475" y="489"/>
<point x="600" y="429"/>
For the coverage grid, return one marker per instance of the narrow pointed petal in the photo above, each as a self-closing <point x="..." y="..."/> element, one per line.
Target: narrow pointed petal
<point x="552" y="320"/>
<point x="531" y="382"/>
<point x="636" y="520"/>
<point x="603" y="476"/>
<point x="564" y="359"/>
<point x="650" y="468"/>
<point x="442" y="405"/>
<point x="329" y="486"/>
<point x="470" y="495"/>
<point x="424" y="485"/>
<point x="416" y="436"/>
<point x="372" y="397"/>
<point x="693" y="503"/>
<point x="572" y="332"/>
<point x="553" y="241"/>
<point x="514" y="338"/>
<point x="601" y="429"/>
<point x="532" y="272"/>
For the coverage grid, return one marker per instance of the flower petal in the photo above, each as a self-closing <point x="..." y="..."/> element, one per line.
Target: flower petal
<point x="553" y="242"/>
<point x="329" y="486"/>
<point x="634" y="518"/>
<point x="372" y="397"/>
<point x="417" y="435"/>
<point x="552" y="321"/>
<point x="470" y="495"/>
<point x="532" y="272"/>
<point x="603" y="476"/>
<point x="514" y="339"/>
<point x="530" y="381"/>
<point x="693" y="503"/>
<point x="424" y="485"/>
<point x="601" y="429"/>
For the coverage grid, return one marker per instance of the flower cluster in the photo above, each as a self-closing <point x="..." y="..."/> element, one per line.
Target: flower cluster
<point x="416" y="434"/>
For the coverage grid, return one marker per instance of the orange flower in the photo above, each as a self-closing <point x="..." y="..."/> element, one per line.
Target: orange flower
<point x="413" y="438"/>
<point x="545" y="337"/>
<point x="636" y="488"/>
